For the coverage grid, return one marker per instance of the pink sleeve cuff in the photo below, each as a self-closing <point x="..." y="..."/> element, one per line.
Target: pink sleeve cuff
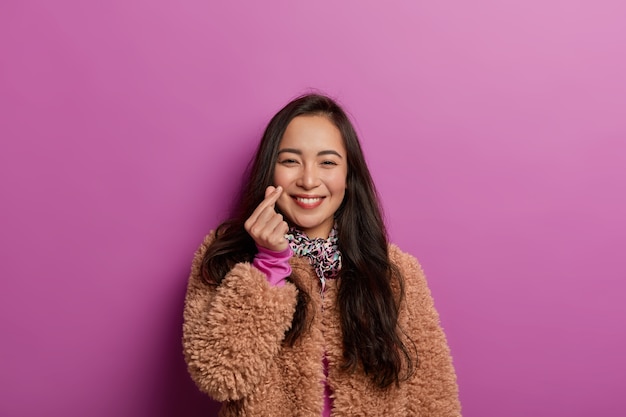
<point x="275" y="265"/>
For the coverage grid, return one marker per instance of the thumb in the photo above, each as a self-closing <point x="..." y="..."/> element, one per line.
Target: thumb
<point x="269" y="190"/>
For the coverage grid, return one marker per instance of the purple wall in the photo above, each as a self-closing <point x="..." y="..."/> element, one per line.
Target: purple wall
<point x="495" y="130"/>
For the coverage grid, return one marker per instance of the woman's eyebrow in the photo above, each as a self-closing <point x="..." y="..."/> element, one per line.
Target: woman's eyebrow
<point x="299" y="152"/>
<point x="290" y="150"/>
<point x="329" y="152"/>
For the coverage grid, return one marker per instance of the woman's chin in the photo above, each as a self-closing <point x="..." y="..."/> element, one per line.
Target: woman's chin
<point x="314" y="229"/>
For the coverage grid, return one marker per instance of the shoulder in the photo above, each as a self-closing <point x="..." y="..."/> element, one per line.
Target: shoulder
<point x="411" y="274"/>
<point x="200" y="252"/>
<point x="207" y="241"/>
<point x="404" y="261"/>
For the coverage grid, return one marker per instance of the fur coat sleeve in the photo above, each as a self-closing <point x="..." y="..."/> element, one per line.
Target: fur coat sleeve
<point x="232" y="332"/>
<point x="433" y="384"/>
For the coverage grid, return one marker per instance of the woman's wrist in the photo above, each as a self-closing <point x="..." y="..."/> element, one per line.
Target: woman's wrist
<point x="275" y="265"/>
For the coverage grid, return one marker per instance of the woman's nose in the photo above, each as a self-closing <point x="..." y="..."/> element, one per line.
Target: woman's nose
<point x="309" y="178"/>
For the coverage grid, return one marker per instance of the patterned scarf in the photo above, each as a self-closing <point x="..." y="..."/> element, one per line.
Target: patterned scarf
<point x="323" y="254"/>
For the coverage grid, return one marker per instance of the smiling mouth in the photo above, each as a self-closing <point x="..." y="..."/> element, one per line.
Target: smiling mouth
<point x="308" y="202"/>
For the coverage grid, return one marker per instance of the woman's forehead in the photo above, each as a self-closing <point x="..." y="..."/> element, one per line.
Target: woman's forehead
<point x="313" y="133"/>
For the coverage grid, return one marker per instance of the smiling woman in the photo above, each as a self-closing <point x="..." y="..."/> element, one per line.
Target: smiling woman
<point x="312" y="170"/>
<point x="301" y="296"/>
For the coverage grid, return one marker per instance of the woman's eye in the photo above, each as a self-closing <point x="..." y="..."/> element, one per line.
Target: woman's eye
<point x="329" y="163"/>
<point x="288" y="161"/>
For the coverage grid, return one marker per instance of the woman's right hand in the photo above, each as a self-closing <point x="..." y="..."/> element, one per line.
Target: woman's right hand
<point x="267" y="227"/>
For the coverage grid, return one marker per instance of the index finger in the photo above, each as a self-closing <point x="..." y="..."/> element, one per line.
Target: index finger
<point x="269" y="201"/>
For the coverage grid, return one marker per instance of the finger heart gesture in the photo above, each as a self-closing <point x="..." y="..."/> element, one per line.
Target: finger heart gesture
<point x="267" y="227"/>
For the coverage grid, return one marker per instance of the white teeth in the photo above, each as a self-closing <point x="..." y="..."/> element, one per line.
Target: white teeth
<point x="308" y="200"/>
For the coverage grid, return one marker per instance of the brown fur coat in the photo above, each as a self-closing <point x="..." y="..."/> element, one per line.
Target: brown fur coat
<point x="232" y="338"/>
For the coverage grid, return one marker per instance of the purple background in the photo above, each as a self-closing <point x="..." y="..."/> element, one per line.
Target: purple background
<point x="495" y="130"/>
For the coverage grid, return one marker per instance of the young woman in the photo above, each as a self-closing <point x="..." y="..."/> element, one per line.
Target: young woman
<point x="298" y="305"/>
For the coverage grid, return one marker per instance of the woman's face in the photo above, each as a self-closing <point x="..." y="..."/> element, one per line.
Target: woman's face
<point x="312" y="168"/>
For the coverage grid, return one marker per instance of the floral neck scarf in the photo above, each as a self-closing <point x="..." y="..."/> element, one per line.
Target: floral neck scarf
<point x="323" y="254"/>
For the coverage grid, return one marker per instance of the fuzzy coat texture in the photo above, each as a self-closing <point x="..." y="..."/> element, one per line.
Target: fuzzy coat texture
<point x="232" y="340"/>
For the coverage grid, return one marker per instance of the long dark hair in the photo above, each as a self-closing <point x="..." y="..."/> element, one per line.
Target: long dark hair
<point x="367" y="303"/>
